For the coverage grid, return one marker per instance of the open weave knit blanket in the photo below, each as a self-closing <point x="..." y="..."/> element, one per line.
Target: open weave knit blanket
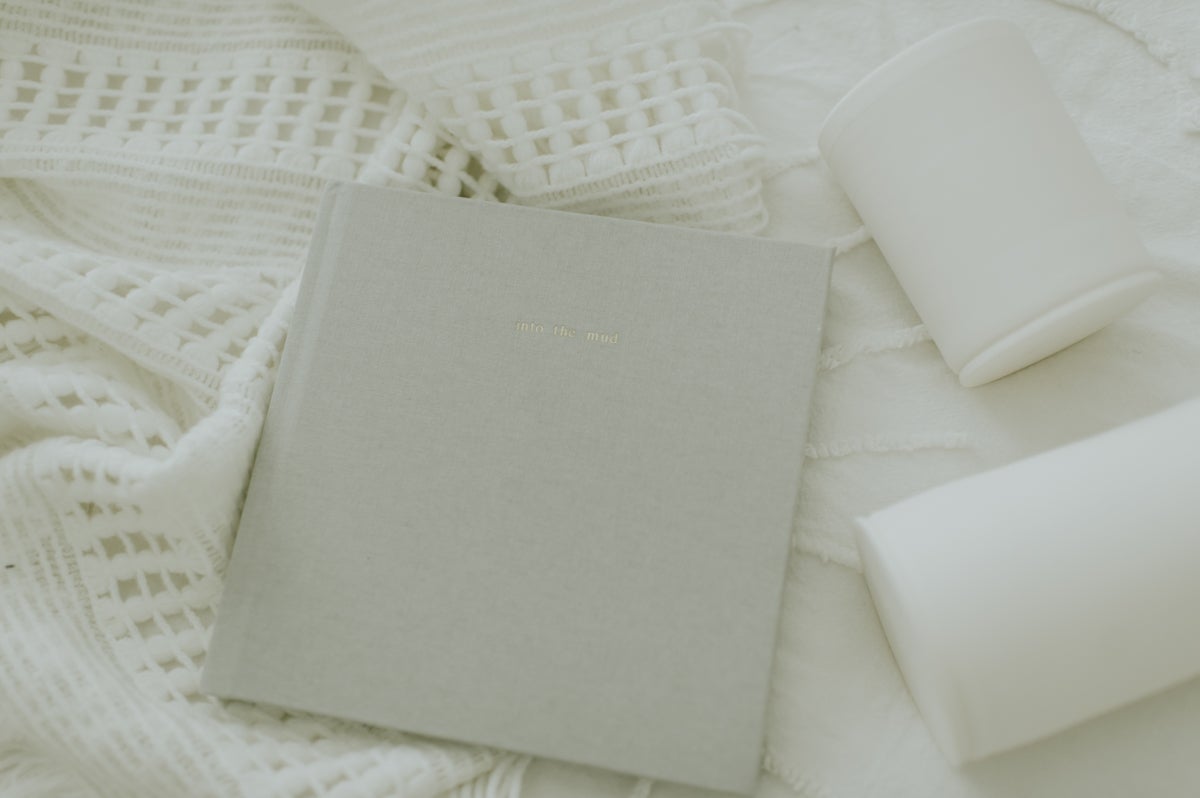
<point x="162" y="166"/>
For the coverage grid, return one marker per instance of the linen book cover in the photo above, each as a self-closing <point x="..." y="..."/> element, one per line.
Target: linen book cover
<point x="527" y="479"/>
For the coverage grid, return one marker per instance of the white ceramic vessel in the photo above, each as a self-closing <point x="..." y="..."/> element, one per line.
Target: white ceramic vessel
<point x="1027" y="599"/>
<point x="979" y="191"/>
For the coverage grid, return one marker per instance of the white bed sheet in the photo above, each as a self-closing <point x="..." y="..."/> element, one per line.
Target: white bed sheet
<point x="890" y="418"/>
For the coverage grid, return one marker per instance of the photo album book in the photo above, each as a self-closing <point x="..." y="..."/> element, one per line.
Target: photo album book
<point x="527" y="479"/>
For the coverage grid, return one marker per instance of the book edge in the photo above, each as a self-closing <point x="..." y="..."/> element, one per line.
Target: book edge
<point x="223" y="656"/>
<point x="813" y="355"/>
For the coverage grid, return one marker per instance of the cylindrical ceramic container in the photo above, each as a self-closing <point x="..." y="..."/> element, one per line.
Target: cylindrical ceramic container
<point x="978" y="189"/>
<point x="1024" y="600"/>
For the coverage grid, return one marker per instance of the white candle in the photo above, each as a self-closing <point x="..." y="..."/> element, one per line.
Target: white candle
<point x="980" y="193"/>
<point x="1027" y="599"/>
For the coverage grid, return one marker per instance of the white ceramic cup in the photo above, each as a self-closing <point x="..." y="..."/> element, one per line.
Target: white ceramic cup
<point x="1021" y="601"/>
<point x="977" y="188"/>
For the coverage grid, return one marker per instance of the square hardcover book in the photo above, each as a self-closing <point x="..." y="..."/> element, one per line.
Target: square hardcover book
<point x="527" y="479"/>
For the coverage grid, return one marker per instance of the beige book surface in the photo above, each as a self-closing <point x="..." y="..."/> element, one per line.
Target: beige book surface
<point x="527" y="479"/>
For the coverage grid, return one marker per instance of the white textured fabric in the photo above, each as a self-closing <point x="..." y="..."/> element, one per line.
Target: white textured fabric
<point x="622" y="107"/>
<point x="162" y="166"/>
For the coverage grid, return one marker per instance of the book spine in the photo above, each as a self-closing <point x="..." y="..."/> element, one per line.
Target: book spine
<point x="224" y="656"/>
